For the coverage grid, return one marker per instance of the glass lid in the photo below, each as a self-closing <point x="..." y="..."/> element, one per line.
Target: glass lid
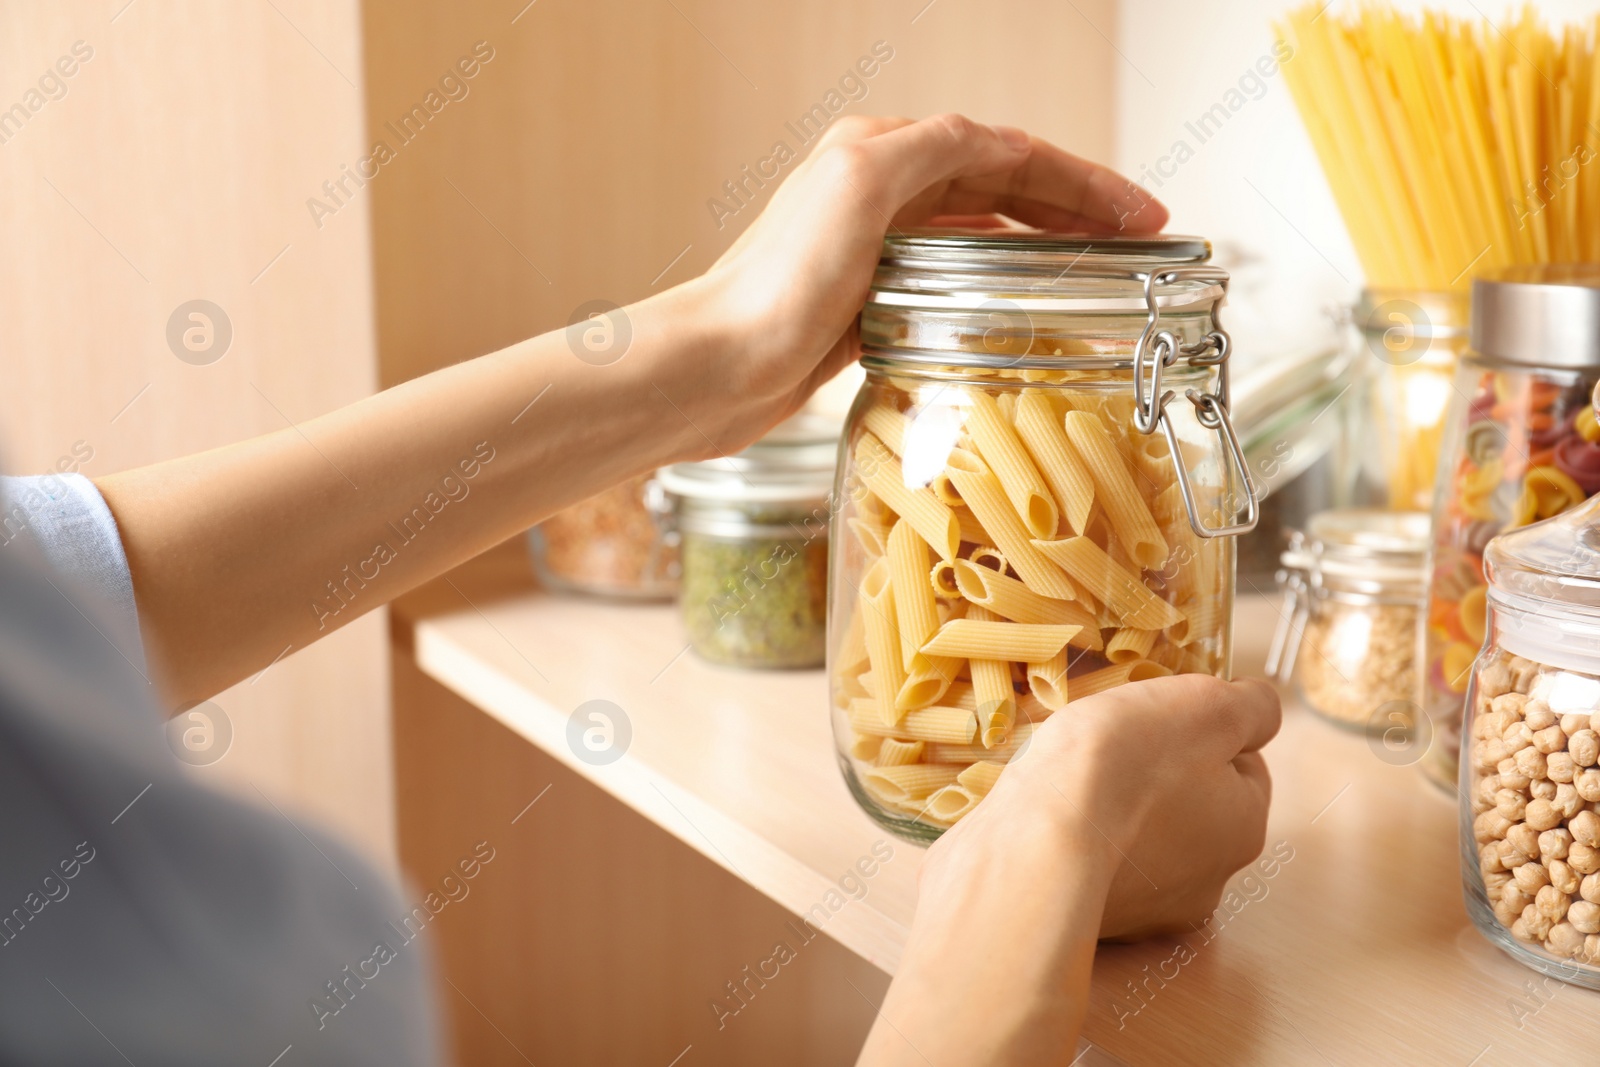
<point x="1382" y="549"/>
<point x="1556" y="561"/>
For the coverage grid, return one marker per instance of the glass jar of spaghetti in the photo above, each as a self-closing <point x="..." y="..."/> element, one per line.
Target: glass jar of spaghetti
<point x="1036" y="501"/>
<point x="1521" y="444"/>
<point x="1411" y="340"/>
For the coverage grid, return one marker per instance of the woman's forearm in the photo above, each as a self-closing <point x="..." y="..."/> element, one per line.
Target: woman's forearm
<point x="245" y="550"/>
<point x="997" y="967"/>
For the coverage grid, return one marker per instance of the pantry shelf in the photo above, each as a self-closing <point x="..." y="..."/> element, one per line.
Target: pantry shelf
<point x="1355" y="947"/>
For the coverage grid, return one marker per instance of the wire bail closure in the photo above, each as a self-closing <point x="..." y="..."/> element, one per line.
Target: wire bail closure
<point x="1159" y="349"/>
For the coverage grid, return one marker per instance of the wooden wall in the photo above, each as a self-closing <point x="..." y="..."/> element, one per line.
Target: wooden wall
<point x="176" y="166"/>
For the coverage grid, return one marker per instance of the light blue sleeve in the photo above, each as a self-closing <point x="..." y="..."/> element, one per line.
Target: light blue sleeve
<point x="66" y="520"/>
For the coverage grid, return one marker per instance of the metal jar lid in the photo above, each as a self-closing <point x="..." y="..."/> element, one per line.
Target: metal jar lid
<point x="1363" y="550"/>
<point x="1544" y="315"/>
<point x="965" y="270"/>
<point x="791" y="469"/>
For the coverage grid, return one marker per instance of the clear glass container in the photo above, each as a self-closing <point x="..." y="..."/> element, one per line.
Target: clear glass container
<point x="612" y="544"/>
<point x="1412" y="340"/>
<point x="754" y="545"/>
<point x="1038" y="493"/>
<point x="1530" y="814"/>
<point x="1521" y="445"/>
<point x="1355" y="584"/>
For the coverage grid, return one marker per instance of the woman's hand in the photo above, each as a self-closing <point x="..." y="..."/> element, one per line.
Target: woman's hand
<point x="791" y="285"/>
<point x="1124" y="817"/>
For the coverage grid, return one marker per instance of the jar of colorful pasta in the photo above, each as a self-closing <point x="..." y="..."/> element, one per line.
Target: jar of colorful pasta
<point x="754" y="546"/>
<point x="1036" y="502"/>
<point x="1521" y="445"/>
<point x="1530" y="813"/>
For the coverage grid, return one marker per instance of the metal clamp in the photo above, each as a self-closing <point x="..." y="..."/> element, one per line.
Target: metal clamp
<point x="1159" y="349"/>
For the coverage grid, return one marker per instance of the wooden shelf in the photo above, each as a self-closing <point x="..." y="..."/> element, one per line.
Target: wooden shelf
<point x="1357" y="949"/>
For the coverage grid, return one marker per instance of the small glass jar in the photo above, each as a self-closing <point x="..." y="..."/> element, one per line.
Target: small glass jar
<point x="612" y="544"/>
<point x="1521" y="445"/>
<point x="1037" y="499"/>
<point x="1530" y="785"/>
<point x="1412" y="339"/>
<point x="754" y="545"/>
<point x="1355" y="583"/>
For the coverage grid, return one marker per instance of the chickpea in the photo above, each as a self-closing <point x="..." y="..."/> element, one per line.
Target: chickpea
<point x="1560" y="767"/>
<point x="1510" y="777"/>
<point x="1553" y="844"/>
<point x="1536" y="714"/>
<point x="1532" y="762"/>
<point x="1486" y="754"/>
<point x="1514" y="705"/>
<point x="1565" y="940"/>
<point x="1494" y="679"/>
<point x="1585" y="827"/>
<point x="1584" y="747"/>
<point x="1495" y="882"/>
<point x="1550" y="739"/>
<point x="1515" y="898"/>
<point x="1511" y="803"/>
<point x="1588" y="784"/>
<point x="1490" y="826"/>
<point x="1591" y="949"/>
<point x="1594" y="720"/>
<point x="1551" y="902"/>
<point x="1535" y="926"/>
<point x="1584" y="859"/>
<point x="1490" y="724"/>
<point x="1584" y="916"/>
<point x="1516" y="738"/>
<point x="1510" y="856"/>
<point x="1567" y="801"/>
<point x="1562" y="878"/>
<point x="1574" y="722"/>
<point x="1543" y="815"/>
<point x="1589" y="889"/>
<point x="1531" y="877"/>
<point x="1524" y="672"/>
<point x="1506" y="913"/>
<point x="1524" y="838"/>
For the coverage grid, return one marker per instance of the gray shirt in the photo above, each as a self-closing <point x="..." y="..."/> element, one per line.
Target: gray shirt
<point x="144" y="918"/>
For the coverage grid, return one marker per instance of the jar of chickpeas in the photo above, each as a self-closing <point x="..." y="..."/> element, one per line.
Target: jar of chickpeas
<point x="1036" y="500"/>
<point x="1530" y="774"/>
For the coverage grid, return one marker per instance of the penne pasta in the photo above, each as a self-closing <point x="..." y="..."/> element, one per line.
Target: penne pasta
<point x="889" y="425"/>
<point x="1012" y="599"/>
<point x="1099" y="681"/>
<point x="866" y="747"/>
<point x="1201" y="620"/>
<point x="976" y="637"/>
<point x="991" y="687"/>
<point x="883" y="638"/>
<point x="983" y="493"/>
<point x="1047" y="681"/>
<point x="1124" y="595"/>
<point x="944" y="752"/>
<point x="893" y="753"/>
<point x="998" y="445"/>
<point x="981" y="776"/>
<point x="943" y="580"/>
<point x="1129" y="644"/>
<point x="911" y="782"/>
<point x="940" y="723"/>
<point x="950" y="803"/>
<point x="945" y="490"/>
<point x="929" y="678"/>
<point x="971" y="529"/>
<point x="872" y="536"/>
<point x="927" y="515"/>
<point x="851" y="659"/>
<point x="915" y="614"/>
<point x="989" y="557"/>
<point x="1045" y="438"/>
<point x="1115" y="489"/>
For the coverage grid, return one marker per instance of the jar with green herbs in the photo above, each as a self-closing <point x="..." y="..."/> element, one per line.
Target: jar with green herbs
<point x="754" y="547"/>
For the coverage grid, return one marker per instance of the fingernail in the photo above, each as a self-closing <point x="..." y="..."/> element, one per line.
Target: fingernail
<point x="1015" y="139"/>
